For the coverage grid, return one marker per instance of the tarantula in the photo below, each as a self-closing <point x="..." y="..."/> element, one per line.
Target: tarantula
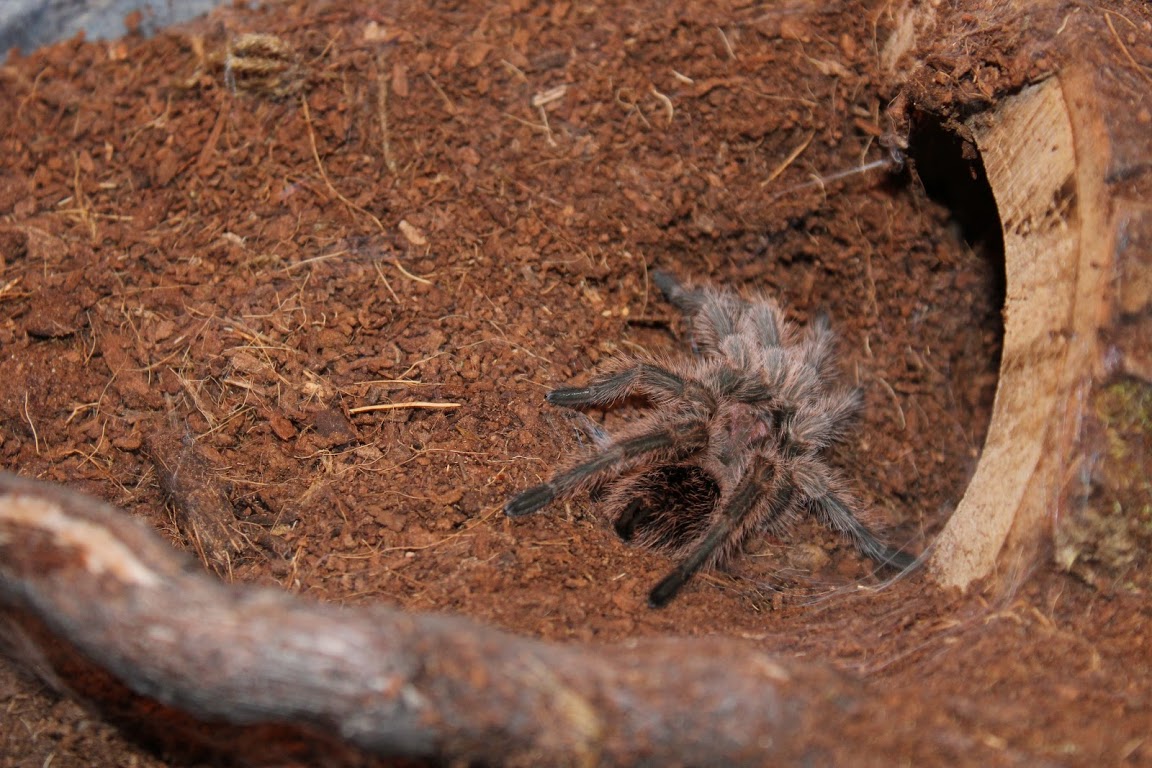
<point x="734" y="442"/>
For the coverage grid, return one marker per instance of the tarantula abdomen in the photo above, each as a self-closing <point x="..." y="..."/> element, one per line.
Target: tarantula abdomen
<point x="734" y="440"/>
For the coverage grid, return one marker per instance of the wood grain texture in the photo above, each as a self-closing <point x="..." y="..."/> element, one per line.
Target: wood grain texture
<point x="98" y="605"/>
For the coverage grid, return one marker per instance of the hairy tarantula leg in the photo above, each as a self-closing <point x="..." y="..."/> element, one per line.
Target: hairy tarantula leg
<point x="605" y="390"/>
<point x="714" y="316"/>
<point x="688" y="302"/>
<point x="744" y="498"/>
<point x="693" y="437"/>
<point x="837" y="515"/>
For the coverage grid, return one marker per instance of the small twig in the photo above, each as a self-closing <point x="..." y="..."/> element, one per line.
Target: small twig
<point x="822" y="181"/>
<point x="382" y="113"/>
<point x="547" y="127"/>
<point x="633" y="107"/>
<point x="83" y="205"/>
<point x="896" y="401"/>
<point x="789" y="160"/>
<point x="454" y="535"/>
<point x="544" y="98"/>
<point x="324" y="174"/>
<point x="387" y="285"/>
<point x="396" y="263"/>
<point x="448" y="104"/>
<point x="727" y="44"/>
<point x="28" y="418"/>
<point x="6" y="289"/>
<point x="541" y="127"/>
<point x="315" y="259"/>
<point x="1135" y="64"/>
<point x="396" y="406"/>
<point x="341" y="197"/>
<point x="515" y="70"/>
<point x="667" y="102"/>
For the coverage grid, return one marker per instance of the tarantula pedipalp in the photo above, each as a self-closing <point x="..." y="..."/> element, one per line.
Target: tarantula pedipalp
<point x="734" y="443"/>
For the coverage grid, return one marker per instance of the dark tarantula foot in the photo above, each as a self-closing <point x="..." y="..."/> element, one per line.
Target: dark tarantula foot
<point x="668" y="588"/>
<point x="671" y="585"/>
<point x="527" y="502"/>
<point x="687" y="300"/>
<point x="667" y="283"/>
<point x="569" y="396"/>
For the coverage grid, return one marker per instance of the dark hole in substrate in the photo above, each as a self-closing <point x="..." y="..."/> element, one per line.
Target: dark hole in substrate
<point x="952" y="171"/>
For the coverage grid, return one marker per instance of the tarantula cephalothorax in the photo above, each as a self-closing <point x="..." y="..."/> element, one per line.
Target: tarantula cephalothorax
<point x="734" y="442"/>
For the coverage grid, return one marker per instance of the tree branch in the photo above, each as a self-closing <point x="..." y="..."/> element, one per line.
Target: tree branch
<point x="97" y="604"/>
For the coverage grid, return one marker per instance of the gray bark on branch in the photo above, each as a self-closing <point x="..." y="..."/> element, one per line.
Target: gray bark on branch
<point x="100" y="606"/>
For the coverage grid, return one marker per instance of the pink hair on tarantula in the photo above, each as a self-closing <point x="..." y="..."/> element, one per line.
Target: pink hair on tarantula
<point x="734" y="442"/>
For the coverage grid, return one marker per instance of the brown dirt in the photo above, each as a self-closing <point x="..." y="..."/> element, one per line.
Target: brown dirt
<point x="461" y="206"/>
